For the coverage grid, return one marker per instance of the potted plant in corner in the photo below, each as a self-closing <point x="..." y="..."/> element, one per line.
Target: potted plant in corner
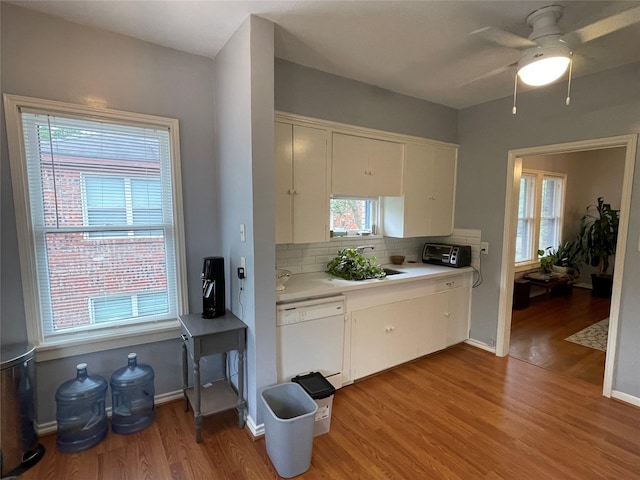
<point x="597" y="241"/>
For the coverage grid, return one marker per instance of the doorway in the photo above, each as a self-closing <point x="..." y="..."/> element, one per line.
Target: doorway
<point x="514" y="171"/>
<point x="563" y="328"/>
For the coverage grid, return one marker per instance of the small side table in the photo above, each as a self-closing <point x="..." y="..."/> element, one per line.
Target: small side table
<point x="552" y="284"/>
<point x="202" y="337"/>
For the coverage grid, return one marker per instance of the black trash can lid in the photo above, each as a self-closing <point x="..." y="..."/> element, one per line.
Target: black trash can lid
<point x="315" y="385"/>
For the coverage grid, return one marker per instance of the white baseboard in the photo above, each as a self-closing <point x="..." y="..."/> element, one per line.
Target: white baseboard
<point x="480" y="345"/>
<point x="625" y="397"/>
<point x="256" y="430"/>
<point x="51" y="427"/>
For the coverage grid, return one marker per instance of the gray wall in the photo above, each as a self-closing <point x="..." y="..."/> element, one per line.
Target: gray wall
<point x="603" y="105"/>
<point x="245" y="146"/>
<point x="73" y="63"/>
<point x="313" y="93"/>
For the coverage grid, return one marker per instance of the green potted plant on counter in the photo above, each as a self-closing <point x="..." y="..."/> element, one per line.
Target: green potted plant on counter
<point x="597" y="241"/>
<point x="351" y="264"/>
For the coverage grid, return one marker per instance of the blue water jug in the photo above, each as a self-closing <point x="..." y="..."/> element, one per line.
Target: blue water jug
<point x="132" y="393"/>
<point x="80" y="413"/>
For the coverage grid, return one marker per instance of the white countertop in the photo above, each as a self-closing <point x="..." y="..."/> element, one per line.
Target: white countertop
<point x="320" y="284"/>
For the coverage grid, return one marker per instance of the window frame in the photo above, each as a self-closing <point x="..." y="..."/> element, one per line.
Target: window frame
<point x="375" y="213"/>
<point x="118" y="335"/>
<point x="539" y="176"/>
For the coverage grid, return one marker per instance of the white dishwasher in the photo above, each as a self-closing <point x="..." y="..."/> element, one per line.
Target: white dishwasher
<point x="310" y="337"/>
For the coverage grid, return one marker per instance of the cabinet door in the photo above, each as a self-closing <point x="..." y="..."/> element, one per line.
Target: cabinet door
<point x="349" y="165"/>
<point x="284" y="182"/>
<point x="404" y="335"/>
<point x="310" y="194"/>
<point x="370" y="337"/>
<point x="428" y="189"/>
<point x="385" y="168"/>
<point x="385" y="336"/>
<point x="432" y="329"/>
<point x="442" y="191"/>
<point x="457" y="314"/>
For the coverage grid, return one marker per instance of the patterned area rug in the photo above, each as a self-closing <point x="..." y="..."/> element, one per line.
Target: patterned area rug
<point x="594" y="336"/>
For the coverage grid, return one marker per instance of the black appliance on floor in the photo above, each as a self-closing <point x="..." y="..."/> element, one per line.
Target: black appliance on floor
<point x="213" y="294"/>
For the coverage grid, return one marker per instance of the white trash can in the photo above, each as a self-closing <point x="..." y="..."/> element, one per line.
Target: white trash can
<point x="321" y="390"/>
<point x="288" y="427"/>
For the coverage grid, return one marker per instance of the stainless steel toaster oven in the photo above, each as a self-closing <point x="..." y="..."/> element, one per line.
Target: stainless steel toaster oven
<point x="447" y="255"/>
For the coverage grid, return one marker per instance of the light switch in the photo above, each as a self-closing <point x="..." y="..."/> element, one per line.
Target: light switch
<point x="243" y="236"/>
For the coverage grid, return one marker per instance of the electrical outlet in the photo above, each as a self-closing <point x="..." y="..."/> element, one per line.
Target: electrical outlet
<point x="484" y="248"/>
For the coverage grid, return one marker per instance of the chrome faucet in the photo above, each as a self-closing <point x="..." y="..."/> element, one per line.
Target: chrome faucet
<point x="360" y="250"/>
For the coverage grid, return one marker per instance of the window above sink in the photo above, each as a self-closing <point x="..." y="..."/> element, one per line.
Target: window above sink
<point x="352" y="216"/>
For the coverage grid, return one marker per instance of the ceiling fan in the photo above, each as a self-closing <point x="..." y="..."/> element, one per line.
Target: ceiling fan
<point x="546" y="53"/>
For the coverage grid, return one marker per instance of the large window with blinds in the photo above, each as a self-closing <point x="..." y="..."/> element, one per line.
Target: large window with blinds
<point x="100" y="193"/>
<point x="540" y="215"/>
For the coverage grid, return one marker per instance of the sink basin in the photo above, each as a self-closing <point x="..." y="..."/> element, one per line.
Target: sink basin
<point x="391" y="271"/>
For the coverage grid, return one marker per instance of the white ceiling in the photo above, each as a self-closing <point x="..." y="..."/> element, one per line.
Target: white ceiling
<point x="418" y="48"/>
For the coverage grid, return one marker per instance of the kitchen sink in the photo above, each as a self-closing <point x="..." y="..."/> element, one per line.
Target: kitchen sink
<point x="391" y="271"/>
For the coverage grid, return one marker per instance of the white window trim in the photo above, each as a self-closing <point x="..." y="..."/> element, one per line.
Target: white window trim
<point x="376" y="221"/>
<point x="86" y="342"/>
<point x="540" y="174"/>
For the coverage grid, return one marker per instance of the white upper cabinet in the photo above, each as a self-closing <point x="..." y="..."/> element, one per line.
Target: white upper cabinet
<point x="302" y="196"/>
<point x="426" y="207"/>
<point x="366" y="167"/>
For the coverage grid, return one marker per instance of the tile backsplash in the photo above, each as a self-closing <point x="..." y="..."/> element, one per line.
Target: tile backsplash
<point x="313" y="257"/>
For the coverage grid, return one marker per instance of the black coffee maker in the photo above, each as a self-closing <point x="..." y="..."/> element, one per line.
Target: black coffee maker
<point x="213" y="295"/>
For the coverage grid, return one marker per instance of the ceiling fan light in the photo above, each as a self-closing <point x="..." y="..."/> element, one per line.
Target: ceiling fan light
<point x="543" y="71"/>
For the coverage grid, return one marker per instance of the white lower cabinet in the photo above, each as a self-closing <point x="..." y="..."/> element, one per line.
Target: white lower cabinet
<point x="406" y="324"/>
<point x="455" y="305"/>
<point x="385" y="336"/>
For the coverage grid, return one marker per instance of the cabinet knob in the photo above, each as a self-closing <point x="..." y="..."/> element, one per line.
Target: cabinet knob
<point x="447" y="314"/>
<point x="290" y="191"/>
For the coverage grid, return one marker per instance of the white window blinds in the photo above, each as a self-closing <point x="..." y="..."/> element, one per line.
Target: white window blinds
<point x="100" y="198"/>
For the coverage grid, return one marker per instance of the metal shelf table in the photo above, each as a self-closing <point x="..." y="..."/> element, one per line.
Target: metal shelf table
<point x="202" y="337"/>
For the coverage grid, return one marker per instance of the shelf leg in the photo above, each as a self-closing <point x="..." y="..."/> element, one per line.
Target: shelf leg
<point x="242" y="405"/>
<point x="196" y="407"/>
<point x="185" y="375"/>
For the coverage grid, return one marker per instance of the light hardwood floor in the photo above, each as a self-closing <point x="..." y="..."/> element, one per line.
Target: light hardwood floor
<point x="459" y="414"/>
<point x="538" y="334"/>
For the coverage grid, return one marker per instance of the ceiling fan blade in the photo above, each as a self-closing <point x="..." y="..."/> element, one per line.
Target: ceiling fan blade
<point x="502" y="38"/>
<point x="490" y="74"/>
<point x="603" y="27"/>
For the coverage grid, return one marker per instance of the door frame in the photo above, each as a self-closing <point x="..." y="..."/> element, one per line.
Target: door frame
<point x="514" y="171"/>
